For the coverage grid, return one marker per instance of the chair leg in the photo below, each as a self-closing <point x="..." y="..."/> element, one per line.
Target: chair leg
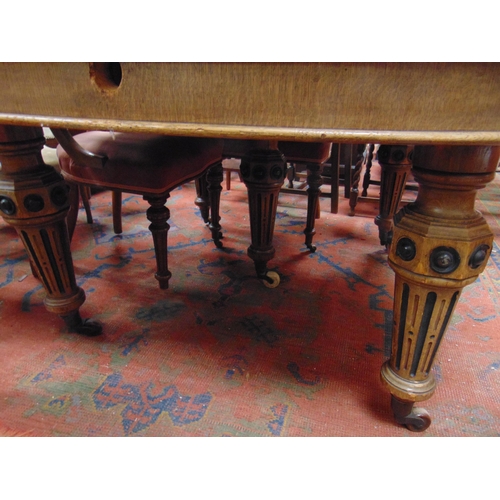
<point x="346" y="151"/>
<point x="314" y="182"/>
<point x="368" y="168"/>
<point x="85" y="196"/>
<point x="214" y="177"/>
<point x="116" y="197"/>
<point x="158" y="214"/>
<point x="356" y="174"/>
<point x="201" y="200"/>
<point x="74" y="205"/>
<point x="395" y="163"/>
<point x="334" y="178"/>
<point x="290" y="174"/>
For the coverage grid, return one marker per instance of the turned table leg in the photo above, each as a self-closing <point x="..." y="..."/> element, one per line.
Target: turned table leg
<point x="395" y="164"/>
<point x="34" y="199"/>
<point x="263" y="172"/>
<point x="440" y="244"/>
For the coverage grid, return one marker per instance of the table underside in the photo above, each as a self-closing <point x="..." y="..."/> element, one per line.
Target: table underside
<point x="398" y="103"/>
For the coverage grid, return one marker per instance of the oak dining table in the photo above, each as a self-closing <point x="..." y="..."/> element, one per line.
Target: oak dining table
<point x="442" y="120"/>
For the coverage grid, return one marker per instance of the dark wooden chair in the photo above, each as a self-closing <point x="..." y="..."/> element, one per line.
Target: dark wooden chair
<point x="145" y="164"/>
<point x="49" y="155"/>
<point x="393" y="180"/>
<point x="333" y="173"/>
<point x="312" y="155"/>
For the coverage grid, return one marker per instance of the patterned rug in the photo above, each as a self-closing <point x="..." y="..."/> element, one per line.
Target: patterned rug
<point x="219" y="354"/>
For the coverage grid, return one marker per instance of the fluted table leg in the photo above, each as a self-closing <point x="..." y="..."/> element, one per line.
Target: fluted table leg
<point x="263" y="172"/>
<point x="34" y="199"/>
<point x="440" y="245"/>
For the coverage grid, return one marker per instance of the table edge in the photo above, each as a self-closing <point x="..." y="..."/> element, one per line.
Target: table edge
<point x="473" y="138"/>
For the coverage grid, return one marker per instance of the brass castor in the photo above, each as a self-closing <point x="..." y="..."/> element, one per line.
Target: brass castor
<point x="414" y="419"/>
<point x="271" y="279"/>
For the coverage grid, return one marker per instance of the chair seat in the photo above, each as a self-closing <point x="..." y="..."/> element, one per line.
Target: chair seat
<point x="141" y="163"/>
<point x="150" y="165"/>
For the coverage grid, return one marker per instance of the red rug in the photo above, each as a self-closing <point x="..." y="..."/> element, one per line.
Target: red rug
<point x="219" y="354"/>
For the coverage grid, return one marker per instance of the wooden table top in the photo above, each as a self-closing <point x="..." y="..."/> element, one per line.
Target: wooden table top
<point x="406" y="103"/>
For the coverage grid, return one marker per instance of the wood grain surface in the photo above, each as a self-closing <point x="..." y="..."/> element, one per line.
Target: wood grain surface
<point x="454" y="103"/>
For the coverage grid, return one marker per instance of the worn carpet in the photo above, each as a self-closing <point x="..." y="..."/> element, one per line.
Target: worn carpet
<point x="219" y="354"/>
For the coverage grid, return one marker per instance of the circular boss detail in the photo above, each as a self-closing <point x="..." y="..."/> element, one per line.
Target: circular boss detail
<point x="444" y="260"/>
<point x="7" y="206"/>
<point x="406" y="249"/>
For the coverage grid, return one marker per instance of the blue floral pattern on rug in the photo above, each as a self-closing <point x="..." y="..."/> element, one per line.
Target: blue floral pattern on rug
<point x="143" y="406"/>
